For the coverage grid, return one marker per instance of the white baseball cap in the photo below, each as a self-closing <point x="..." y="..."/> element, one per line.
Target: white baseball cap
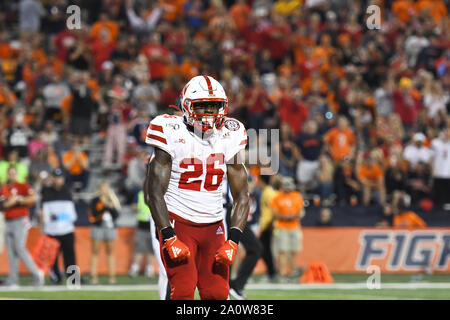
<point x="419" y="136"/>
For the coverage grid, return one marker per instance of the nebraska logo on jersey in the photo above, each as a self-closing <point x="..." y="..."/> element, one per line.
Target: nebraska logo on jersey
<point x="232" y="125"/>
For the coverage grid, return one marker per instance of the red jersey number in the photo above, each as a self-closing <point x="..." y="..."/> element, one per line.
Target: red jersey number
<point x="196" y="170"/>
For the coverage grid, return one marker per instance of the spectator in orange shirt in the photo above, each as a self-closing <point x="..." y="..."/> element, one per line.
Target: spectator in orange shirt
<point x="6" y="50"/>
<point x="7" y="96"/>
<point x="434" y="8"/>
<point x="371" y="177"/>
<point x="172" y="9"/>
<point x="404" y="10"/>
<point x="340" y="140"/>
<point x="408" y="219"/>
<point x="240" y="12"/>
<point x="104" y="23"/>
<point x="288" y="209"/>
<point x="76" y="162"/>
<point x="401" y="217"/>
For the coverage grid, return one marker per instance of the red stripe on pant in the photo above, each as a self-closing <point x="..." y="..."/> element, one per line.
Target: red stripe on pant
<point x="200" y="270"/>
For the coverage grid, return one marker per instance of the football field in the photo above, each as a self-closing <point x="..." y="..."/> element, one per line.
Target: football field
<point x="346" y="287"/>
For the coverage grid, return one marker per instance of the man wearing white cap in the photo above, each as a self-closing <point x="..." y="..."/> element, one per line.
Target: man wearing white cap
<point x="416" y="152"/>
<point x="441" y="167"/>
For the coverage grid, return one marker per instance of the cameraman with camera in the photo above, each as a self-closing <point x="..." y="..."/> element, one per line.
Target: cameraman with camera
<point x="57" y="218"/>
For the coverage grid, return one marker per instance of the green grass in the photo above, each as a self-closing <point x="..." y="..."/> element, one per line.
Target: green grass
<point x="252" y="294"/>
<point x="360" y="294"/>
<point x="318" y="294"/>
<point x="83" y="295"/>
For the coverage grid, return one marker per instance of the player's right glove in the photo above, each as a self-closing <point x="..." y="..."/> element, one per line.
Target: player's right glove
<point x="176" y="249"/>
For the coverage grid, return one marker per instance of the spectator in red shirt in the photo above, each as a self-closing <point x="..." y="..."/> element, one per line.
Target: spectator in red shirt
<point x="158" y="57"/>
<point x="169" y="92"/>
<point x="257" y="102"/>
<point x="175" y="40"/>
<point x="406" y="104"/>
<point x="101" y="49"/>
<point x="277" y="37"/>
<point x="17" y="198"/>
<point x="292" y="110"/>
<point x="63" y="42"/>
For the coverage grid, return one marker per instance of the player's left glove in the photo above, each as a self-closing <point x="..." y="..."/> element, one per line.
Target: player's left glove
<point x="227" y="252"/>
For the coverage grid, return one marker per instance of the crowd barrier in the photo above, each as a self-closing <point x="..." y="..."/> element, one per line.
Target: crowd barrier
<point x="341" y="249"/>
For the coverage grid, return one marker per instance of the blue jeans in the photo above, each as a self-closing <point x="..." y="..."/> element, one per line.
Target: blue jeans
<point x="326" y="190"/>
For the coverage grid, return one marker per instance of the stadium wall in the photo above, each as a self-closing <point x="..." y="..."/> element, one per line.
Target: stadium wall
<point x="342" y="249"/>
<point x="353" y="250"/>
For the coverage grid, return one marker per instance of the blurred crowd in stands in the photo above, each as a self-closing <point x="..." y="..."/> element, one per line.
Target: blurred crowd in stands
<point x="363" y="113"/>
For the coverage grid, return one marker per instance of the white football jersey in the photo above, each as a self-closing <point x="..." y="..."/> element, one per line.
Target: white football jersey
<point x="198" y="166"/>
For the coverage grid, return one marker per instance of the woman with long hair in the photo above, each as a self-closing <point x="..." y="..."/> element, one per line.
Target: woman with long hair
<point x="103" y="214"/>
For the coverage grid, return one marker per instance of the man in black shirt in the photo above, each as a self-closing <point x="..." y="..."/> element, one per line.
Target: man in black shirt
<point x="17" y="136"/>
<point x="57" y="218"/>
<point x="252" y="245"/>
<point x="346" y="183"/>
<point x="83" y="106"/>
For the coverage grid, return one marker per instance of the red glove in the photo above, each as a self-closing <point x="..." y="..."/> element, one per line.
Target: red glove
<point x="227" y="252"/>
<point x="177" y="250"/>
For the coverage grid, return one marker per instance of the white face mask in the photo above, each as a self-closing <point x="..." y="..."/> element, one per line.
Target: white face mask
<point x="208" y="121"/>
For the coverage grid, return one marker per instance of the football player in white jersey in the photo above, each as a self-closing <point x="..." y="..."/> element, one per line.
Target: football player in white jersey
<point x="183" y="188"/>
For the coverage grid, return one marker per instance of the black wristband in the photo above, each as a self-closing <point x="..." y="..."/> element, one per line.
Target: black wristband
<point x="167" y="233"/>
<point x="234" y="235"/>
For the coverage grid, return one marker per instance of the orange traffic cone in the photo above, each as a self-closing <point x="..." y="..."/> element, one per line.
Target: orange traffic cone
<point x="317" y="272"/>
